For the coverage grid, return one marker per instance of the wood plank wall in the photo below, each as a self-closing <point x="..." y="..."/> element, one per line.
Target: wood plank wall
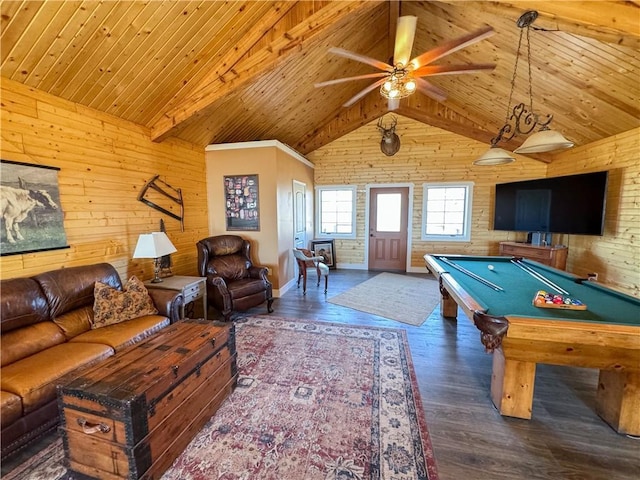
<point x="615" y="256"/>
<point x="104" y="162"/>
<point x="428" y="154"/>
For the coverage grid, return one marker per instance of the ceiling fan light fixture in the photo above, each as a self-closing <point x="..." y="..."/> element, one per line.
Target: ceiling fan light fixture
<point x="399" y="84"/>
<point x="544" y="140"/>
<point x="495" y="156"/>
<point x="403" y="75"/>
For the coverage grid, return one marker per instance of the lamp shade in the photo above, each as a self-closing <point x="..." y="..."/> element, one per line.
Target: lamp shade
<point x="153" y="245"/>
<point x="544" y="141"/>
<point x="495" y="156"/>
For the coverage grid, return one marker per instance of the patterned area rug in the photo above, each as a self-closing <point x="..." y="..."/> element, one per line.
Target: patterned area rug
<point x="314" y="401"/>
<point x="403" y="298"/>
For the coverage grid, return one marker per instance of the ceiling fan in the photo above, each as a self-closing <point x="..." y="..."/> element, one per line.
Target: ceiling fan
<point x="406" y="75"/>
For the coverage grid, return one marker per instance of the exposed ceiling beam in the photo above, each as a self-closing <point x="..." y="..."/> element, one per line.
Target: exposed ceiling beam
<point x="233" y="55"/>
<point x="244" y="67"/>
<point x="423" y="109"/>
<point x="610" y="22"/>
<point x="417" y="107"/>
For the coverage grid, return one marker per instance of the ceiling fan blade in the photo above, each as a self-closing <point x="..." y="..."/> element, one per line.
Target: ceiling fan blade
<point x="361" y="58"/>
<point x="431" y="90"/>
<point x="363" y="92"/>
<point x="348" y="79"/>
<point x="452" y="46"/>
<point x="405" y="34"/>
<point x="393" y="104"/>
<point x="429" y="70"/>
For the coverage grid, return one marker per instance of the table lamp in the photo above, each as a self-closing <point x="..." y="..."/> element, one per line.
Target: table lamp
<point x="154" y="245"/>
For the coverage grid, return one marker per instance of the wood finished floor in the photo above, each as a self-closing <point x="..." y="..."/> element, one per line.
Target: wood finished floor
<point x="565" y="439"/>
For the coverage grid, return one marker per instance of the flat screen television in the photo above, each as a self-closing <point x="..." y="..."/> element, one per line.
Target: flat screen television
<point x="573" y="204"/>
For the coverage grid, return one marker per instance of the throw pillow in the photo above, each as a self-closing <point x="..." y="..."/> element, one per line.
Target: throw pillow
<point x="114" y="306"/>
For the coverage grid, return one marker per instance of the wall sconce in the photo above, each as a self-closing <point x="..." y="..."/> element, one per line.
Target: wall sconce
<point x="154" y="245"/>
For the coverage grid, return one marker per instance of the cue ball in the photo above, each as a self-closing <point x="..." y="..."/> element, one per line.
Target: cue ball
<point x="490" y="267"/>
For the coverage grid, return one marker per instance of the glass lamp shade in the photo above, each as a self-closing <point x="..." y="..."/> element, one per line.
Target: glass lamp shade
<point x="153" y="245"/>
<point x="544" y="141"/>
<point x="495" y="156"/>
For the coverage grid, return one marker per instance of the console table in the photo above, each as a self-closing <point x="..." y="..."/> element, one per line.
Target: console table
<point x="192" y="288"/>
<point x="554" y="256"/>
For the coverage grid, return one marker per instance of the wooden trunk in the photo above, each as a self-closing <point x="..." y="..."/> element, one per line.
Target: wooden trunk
<point x="131" y="416"/>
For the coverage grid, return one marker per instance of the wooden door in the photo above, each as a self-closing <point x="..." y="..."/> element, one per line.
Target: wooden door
<point x="388" y="220"/>
<point x="299" y="215"/>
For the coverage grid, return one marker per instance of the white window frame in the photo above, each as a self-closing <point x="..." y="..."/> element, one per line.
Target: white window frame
<point x="318" y="191"/>
<point x="466" y="234"/>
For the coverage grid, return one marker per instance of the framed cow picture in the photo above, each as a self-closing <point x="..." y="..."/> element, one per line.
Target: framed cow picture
<point x="32" y="219"/>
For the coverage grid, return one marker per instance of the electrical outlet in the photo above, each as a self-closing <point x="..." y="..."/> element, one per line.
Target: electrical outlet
<point x="593" y="277"/>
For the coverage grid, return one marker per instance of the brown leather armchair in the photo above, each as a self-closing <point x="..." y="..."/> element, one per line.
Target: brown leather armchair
<point x="233" y="282"/>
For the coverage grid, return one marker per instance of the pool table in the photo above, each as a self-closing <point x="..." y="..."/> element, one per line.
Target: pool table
<point x="606" y="335"/>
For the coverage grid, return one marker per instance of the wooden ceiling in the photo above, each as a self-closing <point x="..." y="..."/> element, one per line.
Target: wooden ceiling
<point x="217" y="72"/>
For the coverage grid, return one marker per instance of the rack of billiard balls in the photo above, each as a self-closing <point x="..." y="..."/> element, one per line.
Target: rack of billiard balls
<point x="545" y="299"/>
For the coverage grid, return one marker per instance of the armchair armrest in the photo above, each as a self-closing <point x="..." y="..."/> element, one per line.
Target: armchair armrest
<point x="168" y="302"/>
<point x="256" y="271"/>
<point x="217" y="282"/>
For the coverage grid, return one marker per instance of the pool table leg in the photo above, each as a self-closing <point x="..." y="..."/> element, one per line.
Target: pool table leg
<point x="618" y="400"/>
<point x="512" y="385"/>
<point x="448" y="306"/>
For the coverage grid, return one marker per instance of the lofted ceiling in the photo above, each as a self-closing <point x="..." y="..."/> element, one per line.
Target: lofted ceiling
<point x="217" y="72"/>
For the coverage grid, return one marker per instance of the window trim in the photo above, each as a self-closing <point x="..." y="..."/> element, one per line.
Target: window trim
<point x="466" y="236"/>
<point x="318" y="216"/>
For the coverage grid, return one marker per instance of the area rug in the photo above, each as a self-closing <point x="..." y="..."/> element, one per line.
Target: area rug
<point x="402" y="298"/>
<point x="314" y="400"/>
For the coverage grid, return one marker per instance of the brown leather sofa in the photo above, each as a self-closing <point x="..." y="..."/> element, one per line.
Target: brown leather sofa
<point x="233" y="282"/>
<point x="47" y="339"/>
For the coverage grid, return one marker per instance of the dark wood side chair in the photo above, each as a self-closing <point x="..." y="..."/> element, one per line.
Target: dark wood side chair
<point x="307" y="260"/>
<point x="233" y="282"/>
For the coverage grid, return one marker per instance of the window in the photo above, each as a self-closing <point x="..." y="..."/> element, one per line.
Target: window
<point x="336" y="212"/>
<point x="446" y="212"/>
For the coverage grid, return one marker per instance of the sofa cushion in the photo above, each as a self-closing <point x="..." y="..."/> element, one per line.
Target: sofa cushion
<point x="10" y="408"/>
<point x="70" y="288"/>
<point x="123" y="334"/>
<point x="26" y="341"/>
<point x="115" y="306"/>
<point x="34" y="378"/>
<point x="75" y="322"/>
<point x="22" y="303"/>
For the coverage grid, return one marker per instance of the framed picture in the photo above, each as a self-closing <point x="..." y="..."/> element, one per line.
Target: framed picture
<point x="325" y="249"/>
<point x="32" y="220"/>
<point x="241" y="202"/>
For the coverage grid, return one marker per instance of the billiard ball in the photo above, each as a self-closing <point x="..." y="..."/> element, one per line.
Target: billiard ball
<point x="490" y="267"/>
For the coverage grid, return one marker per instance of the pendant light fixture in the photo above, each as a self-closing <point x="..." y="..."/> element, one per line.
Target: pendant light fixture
<point x="522" y="119"/>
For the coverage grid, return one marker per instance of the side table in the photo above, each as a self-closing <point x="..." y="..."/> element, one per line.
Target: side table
<point x="192" y="288"/>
